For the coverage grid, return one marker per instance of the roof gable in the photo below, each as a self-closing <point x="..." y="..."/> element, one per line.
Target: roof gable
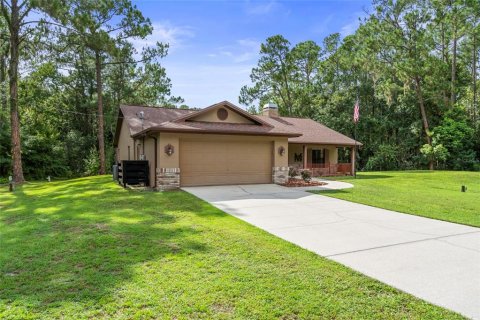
<point x="223" y="112"/>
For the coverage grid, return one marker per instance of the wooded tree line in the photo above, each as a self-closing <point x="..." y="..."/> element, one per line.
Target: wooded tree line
<point x="65" y="67"/>
<point x="412" y="65"/>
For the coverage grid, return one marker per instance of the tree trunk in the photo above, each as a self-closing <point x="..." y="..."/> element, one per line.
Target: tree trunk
<point x="3" y="78"/>
<point x="100" y="131"/>
<point x="13" y="83"/>
<point x="446" y="101"/>
<point x="418" y="89"/>
<point x="454" y="67"/>
<point x="3" y="88"/>
<point x="474" y="79"/>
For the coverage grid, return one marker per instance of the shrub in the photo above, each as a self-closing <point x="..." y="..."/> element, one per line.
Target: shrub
<point x="92" y="164"/>
<point x="458" y="137"/>
<point x="384" y="158"/>
<point x="292" y="172"/>
<point x="43" y="155"/>
<point x="306" y="175"/>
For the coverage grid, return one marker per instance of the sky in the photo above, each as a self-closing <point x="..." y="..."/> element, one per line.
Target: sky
<point x="215" y="44"/>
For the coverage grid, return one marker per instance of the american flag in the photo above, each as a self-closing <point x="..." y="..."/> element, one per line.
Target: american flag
<point x="356" y="112"/>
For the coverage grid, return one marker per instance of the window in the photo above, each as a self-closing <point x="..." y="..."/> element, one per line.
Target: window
<point x="318" y="156"/>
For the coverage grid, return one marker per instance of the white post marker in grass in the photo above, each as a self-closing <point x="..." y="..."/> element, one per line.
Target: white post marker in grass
<point x="10" y="183"/>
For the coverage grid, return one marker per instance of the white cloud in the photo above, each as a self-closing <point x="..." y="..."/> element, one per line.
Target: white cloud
<point x="250" y="48"/>
<point x="351" y="27"/>
<point x="324" y="24"/>
<point x="166" y="32"/>
<point x="260" y="8"/>
<point x="205" y="84"/>
<point x="242" y="50"/>
<point x="257" y="8"/>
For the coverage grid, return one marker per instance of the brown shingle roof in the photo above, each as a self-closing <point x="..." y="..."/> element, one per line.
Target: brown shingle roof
<point x="312" y="131"/>
<point x="153" y="116"/>
<point x="299" y="130"/>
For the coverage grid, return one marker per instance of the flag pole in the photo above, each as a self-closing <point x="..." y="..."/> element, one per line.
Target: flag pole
<point x="357" y="108"/>
<point x="355" y="151"/>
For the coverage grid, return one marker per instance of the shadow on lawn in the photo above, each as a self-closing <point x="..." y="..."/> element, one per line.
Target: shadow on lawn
<point x="329" y="191"/>
<point x="361" y="176"/>
<point x="80" y="240"/>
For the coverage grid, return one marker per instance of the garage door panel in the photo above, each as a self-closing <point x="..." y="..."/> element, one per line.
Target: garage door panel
<point x="225" y="162"/>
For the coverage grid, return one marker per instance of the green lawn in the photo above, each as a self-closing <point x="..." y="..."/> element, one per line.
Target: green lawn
<point x="86" y="248"/>
<point x="433" y="194"/>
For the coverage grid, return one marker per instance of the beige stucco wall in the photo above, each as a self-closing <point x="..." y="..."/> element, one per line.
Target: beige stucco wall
<point x="150" y="156"/>
<point x="124" y="141"/>
<point x="279" y="160"/>
<point x="164" y="160"/>
<point x="173" y="161"/>
<point x="233" y="117"/>
<point x="298" y="148"/>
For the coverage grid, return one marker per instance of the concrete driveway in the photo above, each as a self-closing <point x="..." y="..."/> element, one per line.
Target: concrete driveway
<point x="433" y="260"/>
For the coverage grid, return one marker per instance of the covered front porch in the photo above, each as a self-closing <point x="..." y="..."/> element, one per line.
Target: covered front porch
<point x="322" y="160"/>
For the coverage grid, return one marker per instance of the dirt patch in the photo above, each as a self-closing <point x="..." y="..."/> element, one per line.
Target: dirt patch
<point x="293" y="182"/>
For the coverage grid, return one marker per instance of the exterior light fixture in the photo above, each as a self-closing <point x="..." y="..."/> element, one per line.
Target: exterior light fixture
<point x="281" y="150"/>
<point x="169" y="149"/>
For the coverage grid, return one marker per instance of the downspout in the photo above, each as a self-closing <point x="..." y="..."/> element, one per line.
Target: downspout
<point x="134" y="149"/>
<point x="155" y="166"/>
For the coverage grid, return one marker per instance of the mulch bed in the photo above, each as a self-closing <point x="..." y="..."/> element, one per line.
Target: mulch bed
<point x="293" y="182"/>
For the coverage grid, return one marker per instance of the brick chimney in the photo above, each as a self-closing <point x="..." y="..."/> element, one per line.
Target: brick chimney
<point x="271" y="110"/>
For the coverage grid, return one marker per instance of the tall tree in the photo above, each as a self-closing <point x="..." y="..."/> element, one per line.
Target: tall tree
<point x="101" y="27"/>
<point x="405" y="46"/>
<point x="14" y="14"/>
<point x="272" y="77"/>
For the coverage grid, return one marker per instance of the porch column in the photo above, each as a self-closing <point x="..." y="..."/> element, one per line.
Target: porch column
<point x="353" y="157"/>
<point x="305" y="156"/>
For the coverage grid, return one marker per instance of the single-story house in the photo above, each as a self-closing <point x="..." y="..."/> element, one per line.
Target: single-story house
<point x="223" y="144"/>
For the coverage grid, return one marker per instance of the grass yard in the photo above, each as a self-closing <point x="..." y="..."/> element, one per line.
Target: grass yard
<point x="86" y="248"/>
<point x="432" y="194"/>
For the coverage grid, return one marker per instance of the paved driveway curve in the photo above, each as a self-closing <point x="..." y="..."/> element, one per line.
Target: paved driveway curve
<point x="431" y="259"/>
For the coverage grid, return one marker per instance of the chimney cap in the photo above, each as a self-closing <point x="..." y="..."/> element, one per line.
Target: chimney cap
<point x="270" y="105"/>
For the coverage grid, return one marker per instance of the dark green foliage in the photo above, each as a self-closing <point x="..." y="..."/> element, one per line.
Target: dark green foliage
<point x="292" y="172"/>
<point x="44" y="156"/>
<point x="457" y="137"/>
<point x="400" y="65"/>
<point x="91" y="163"/>
<point x="306" y="175"/>
<point x="385" y="158"/>
<point x="5" y="157"/>
<point x="58" y="95"/>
